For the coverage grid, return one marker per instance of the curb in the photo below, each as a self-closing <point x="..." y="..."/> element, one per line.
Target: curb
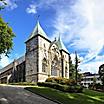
<point x="56" y="101"/>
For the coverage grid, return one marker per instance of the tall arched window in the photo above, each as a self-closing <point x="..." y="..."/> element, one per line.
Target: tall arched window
<point x="54" y="66"/>
<point x="66" y="71"/>
<point x="44" y="65"/>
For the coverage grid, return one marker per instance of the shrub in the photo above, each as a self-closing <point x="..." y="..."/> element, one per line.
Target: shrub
<point x="97" y="87"/>
<point x="65" y="88"/>
<point x="61" y="80"/>
<point x="52" y="79"/>
<point x="61" y="84"/>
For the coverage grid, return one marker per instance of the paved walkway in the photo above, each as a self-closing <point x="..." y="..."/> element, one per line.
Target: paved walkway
<point x="18" y="95"/>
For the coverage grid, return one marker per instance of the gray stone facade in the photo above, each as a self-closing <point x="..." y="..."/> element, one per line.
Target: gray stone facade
<point x="43" y="59"/>
<point x="14" y="72"/>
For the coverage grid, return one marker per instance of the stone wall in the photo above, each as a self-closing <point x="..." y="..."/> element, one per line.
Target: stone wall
<point x="43" y="56"/>
<point x="65" y="57"/>
<point x="15" y="73"/>
<point x="31" y="58"/>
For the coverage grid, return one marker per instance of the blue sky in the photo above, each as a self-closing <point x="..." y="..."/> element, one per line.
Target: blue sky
<point x="80" y="23"/>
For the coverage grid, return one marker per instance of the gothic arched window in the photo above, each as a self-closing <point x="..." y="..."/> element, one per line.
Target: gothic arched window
<point x="44" y="65"/>
<point x="54" y="66"/>
<point x="66" y="71"/>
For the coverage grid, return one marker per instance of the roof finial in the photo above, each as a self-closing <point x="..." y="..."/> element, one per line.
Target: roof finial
<point x="59" y="36"/>
<point x="37" y="20"/>
<point x="38" y="17"/>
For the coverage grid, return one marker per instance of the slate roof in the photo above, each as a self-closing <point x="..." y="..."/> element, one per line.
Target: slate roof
<point x="60" y="44"/>
<point x="38" y="30"/>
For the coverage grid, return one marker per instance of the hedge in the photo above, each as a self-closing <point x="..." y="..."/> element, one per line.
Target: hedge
<point x="64" y="88"/>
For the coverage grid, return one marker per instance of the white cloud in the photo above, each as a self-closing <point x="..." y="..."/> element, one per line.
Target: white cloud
<point x="92" y="67"/>
<point x="99" y="58"/>
<point x="91" y="37"/>
<point x="78" y="25"/>
<point x="4" y="61"/>
<point x="81" y="25"/>
<point x="32" y="9"/>
<point x="10" y="4"/>
<point x="73" y="58"/>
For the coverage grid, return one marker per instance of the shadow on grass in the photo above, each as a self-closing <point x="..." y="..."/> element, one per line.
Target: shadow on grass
<point x="87" y="97"/>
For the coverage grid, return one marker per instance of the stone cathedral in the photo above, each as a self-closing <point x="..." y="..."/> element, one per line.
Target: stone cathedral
<point x="43" y="59"/>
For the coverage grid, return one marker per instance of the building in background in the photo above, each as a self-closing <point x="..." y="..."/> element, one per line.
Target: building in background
<point x="89" y="78"/>
<point x="43" y="58"/>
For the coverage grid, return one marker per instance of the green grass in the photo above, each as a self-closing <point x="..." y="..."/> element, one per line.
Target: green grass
<point x="87" y="97"/>
<point x="23" y="84"/>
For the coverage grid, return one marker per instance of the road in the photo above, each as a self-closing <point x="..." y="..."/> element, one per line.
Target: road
<point x="18" y="95"/>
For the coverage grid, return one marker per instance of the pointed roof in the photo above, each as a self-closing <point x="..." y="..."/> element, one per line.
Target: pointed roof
<point x="60" y="44"/>
<point x="38" y="30"/>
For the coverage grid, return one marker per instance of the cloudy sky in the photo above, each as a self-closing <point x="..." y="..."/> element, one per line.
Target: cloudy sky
<point x="80" y="23"/>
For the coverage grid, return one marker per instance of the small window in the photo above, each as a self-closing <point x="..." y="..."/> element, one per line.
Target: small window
<point x="44" y="65"/>
<point x="66" y="71"/>
<point x="44" y="45"/>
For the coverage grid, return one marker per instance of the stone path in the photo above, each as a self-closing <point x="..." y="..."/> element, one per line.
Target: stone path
<point x="18" y="95"/>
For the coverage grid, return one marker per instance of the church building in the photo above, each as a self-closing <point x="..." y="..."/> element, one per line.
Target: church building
<point x="43" y="58"/>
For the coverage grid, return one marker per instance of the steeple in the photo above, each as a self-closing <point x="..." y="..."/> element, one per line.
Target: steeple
<point x="38" y="30"/>
<point x="60" y="44"/>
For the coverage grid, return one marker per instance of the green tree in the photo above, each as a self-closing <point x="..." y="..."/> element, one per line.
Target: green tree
<point x="80" y="76"/>
<point x="6" y="35"/>
<point x="71" y="70"/>
<point x="6" y="38"/>
<point x="77" y="61"/>
<point x="94" y="80"/>
<point x="101" y="73"/>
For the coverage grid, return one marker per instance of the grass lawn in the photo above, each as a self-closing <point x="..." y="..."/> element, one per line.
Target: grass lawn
<point x="87" y="97"/>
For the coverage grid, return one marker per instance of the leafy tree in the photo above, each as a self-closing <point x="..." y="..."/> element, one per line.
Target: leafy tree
<point x="94" y="80"/>
<point x="6" y="38"/>
<point x="6" y="35"/>
<point x="71" y="70"/>
<point x="77" y="61"/>
<point x="80" y="76"/>
<point x="101" y="73"/>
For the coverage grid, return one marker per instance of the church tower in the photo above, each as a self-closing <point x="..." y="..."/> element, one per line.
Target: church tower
<point x="43" y="59"/>
<point x="36" y="47"/>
